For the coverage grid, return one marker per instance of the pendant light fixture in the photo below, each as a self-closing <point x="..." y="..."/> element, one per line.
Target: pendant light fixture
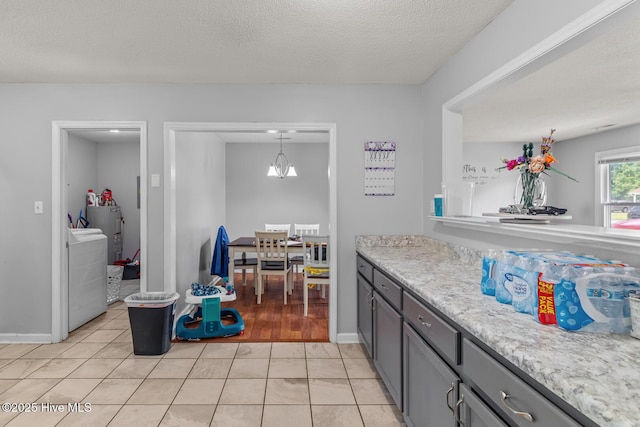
<point x="281" y="166"/>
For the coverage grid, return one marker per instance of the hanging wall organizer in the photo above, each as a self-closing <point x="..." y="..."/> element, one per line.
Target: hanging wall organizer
<point x="379" y="168"/>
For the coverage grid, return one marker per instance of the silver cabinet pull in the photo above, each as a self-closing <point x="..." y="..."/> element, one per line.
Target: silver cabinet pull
<point x="384" y="287"/>
<point x="373" y="302"/>
<point x="504" y="397"/>
<point x="447" y="396"/>
<point x="421" y="320"/>
<point x="369" y="297"/>
<point x="456" y="413"/>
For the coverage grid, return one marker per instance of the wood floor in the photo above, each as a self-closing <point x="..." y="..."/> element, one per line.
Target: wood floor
<point x="273" y="321"/>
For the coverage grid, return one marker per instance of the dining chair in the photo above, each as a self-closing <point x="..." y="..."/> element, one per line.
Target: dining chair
<point x="303" y="230"/>
<point x="273" y="260"/>
<point x="243" y="263"/>
<point x="278" y="227"/>
<point x="316" y="265"/>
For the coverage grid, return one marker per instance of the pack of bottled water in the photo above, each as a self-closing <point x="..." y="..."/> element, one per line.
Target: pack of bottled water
<point x="576" y="292"/>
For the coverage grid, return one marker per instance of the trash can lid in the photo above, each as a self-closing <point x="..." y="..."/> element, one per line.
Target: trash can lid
<point x="151" y="299"/>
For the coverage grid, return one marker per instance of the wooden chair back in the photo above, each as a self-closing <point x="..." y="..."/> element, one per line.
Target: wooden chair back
<point x="271" y="246"/>
<point x="278" y="227"/>
<point x="316" y="251"/>
<point x="306" y="229"/>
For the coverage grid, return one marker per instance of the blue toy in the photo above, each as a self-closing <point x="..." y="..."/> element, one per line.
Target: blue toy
<point x="209" y="315"/>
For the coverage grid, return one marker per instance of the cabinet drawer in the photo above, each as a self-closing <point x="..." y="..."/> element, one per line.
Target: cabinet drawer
<point x="440" y="334"/>
<point x="365" y="268"/>
<point x="496" y="381"/>
<point x="388" y="289"/>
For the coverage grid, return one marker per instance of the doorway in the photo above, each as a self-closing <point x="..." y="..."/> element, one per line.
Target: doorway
<point x="172" y="133"/>
<point x="64" y="195"/>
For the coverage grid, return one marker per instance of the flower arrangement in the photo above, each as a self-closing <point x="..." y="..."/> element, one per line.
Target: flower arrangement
<point x="530" y="168"/>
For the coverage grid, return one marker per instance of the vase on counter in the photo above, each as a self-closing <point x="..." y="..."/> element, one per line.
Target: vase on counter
<point x="530" y="191"/>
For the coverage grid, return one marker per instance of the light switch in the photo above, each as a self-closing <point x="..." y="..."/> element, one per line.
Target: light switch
<point x="155" y="180"/>
<point x="37" y="207"/>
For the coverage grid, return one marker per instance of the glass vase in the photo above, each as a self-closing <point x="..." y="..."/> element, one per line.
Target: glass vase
<point x="530" y="191"/>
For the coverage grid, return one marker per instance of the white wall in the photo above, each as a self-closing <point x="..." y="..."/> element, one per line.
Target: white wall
<point x="361" y="113"/>
<point x="494" y="189"/>
<point x="253" y="199"/>
<point x="200" y="169"/>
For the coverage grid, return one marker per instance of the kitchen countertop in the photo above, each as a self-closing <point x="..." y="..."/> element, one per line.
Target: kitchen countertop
<point x="598" y="374"/>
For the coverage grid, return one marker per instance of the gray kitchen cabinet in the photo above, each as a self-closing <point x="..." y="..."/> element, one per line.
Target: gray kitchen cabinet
<point x="387" y="346"/>
<point x="520" y="404"/>
<point x="437" y="373"/>
<point x="430" y="386"/>
<point x="365" y="314"/>
<point x="471" y="411"/>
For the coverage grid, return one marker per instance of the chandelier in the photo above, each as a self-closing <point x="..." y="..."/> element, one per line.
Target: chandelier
<point x="281" y="166"/>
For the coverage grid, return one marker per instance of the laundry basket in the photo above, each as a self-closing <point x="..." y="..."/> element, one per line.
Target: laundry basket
<point x="114" y="277"/>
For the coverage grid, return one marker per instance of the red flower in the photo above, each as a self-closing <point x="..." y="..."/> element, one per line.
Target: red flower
<point x="511" y="164"/>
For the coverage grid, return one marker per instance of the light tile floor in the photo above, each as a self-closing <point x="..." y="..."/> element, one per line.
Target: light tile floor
<point x="93" y="378"/>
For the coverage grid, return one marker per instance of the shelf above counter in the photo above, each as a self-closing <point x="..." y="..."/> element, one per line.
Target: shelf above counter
<point x="555" y="231"/>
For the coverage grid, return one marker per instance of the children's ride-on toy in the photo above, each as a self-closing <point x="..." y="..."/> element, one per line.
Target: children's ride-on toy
<point x="206" y="320"/>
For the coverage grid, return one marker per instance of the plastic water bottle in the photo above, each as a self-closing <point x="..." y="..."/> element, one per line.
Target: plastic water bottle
<point x="489" y="264"/>
<point x="504" y="278"/>
<point x="91" y="198"/>
<point x="437" y="204"/>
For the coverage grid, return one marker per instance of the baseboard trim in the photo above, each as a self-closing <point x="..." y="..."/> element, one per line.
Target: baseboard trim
<point x="25" y="338"/>
<point x="348" y="338"/>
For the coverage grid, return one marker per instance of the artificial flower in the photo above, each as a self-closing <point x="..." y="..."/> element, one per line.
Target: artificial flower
<point x="535" y="164"/>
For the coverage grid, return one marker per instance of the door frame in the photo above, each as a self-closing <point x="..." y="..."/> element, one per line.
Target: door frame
<point x="59" y="237"/>
<point x="170" y="131"/>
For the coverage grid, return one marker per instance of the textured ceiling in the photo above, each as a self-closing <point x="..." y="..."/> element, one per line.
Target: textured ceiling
<point x="316" y="42"/>
<point x="594" y="88"/>
<point x="235" y="41"/>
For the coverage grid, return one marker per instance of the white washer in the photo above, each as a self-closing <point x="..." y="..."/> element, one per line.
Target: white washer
<point x="87" y="275"/>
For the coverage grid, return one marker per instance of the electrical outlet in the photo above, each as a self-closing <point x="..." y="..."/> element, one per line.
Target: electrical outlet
<point x="37" y="207"/>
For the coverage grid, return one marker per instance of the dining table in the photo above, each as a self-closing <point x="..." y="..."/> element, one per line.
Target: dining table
<point x="246" y="245"/>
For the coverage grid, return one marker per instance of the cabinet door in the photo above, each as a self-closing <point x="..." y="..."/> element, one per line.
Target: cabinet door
<point x="365" y="314"/>
<point x="430" y="386"/>
<point x="474" y="413"/>
<point x="387" y="346"/>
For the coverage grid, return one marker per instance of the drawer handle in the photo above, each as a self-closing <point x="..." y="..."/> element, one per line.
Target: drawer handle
<point x="504" y="397"/>
<point x="421" y="320"/>
<point x="384" y="287"/>
<point x="447" y="397"/>
<point x="456" y="413"/>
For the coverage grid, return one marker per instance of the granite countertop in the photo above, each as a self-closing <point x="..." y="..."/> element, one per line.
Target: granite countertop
<point x="598" y="374"/>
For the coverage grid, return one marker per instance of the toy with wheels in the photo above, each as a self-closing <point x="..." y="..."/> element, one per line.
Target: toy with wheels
<point x="208" y="320"/>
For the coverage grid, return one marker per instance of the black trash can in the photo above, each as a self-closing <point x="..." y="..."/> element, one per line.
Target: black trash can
<point x="151" y="318"/>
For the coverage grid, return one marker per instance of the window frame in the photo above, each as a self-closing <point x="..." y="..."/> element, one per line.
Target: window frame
<point x="602" y="160"/>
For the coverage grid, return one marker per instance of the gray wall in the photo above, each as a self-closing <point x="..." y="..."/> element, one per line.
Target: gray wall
<point x="253" y="199"/>
<point x="106" y="165"/>
<point x="118" y="169"/>
<point x="200" y="168"/>
<point x="361" y="113"/>
<point x="82" y="173"/>
<point x="577" y="159"/>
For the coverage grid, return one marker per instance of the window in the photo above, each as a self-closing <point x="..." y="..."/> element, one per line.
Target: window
<point x="618" y="186"/>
